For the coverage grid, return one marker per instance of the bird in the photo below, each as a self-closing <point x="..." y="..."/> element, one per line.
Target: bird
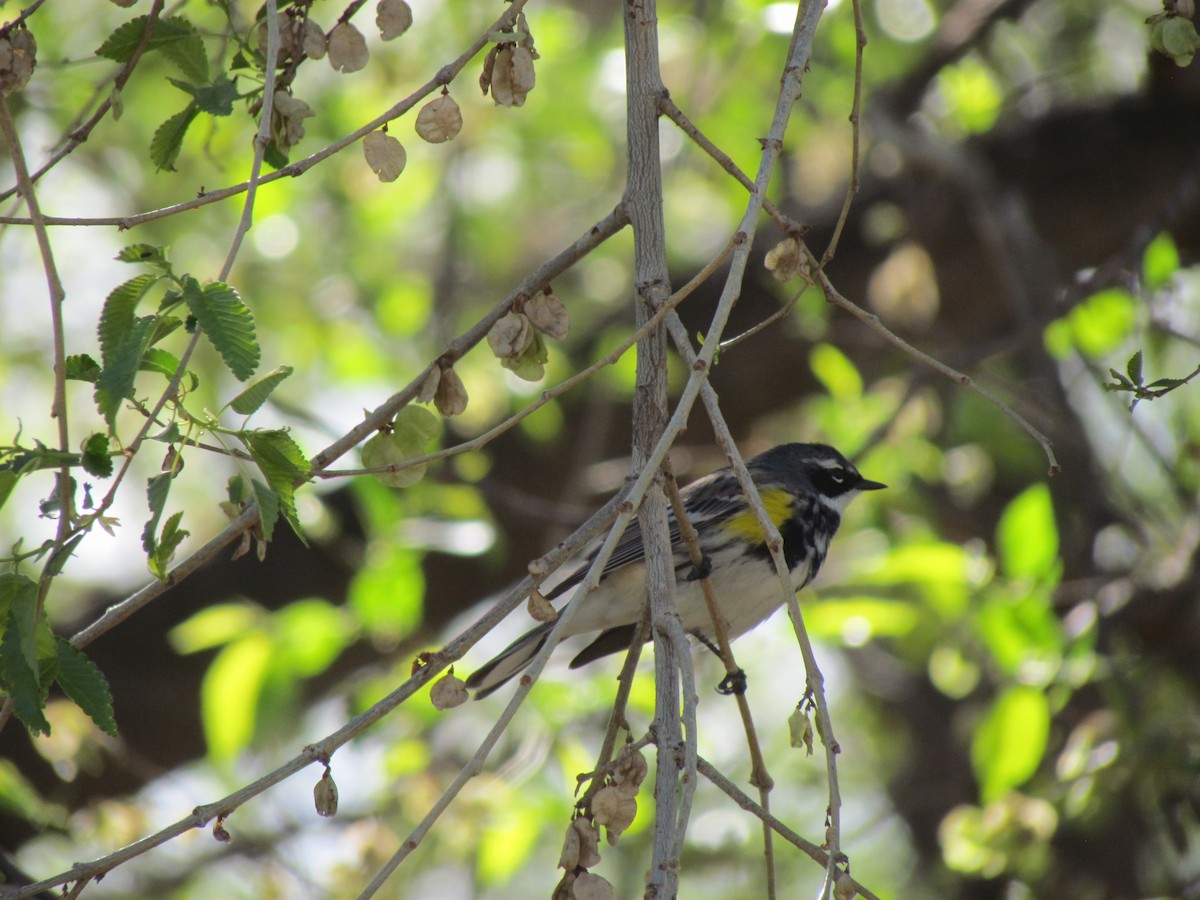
<point x="804" y="488"/>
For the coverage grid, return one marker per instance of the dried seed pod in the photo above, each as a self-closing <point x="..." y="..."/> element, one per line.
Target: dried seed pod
<point x="510" y="336"/>
<point x="783" y="260"/>
<point x="430" y="385"/>
<point x="393" y="17"/>
<point x="451" y="396"/>
<point x="448" y="692"/>
<point x="549" y="315"/>
<point x="590" y="886"/>
<point x="440" y="119"/>
<point x="631" y="771"/>
<point x="347" y="48"/>
<point x="800" y="729"/>
<point x="614" y="810"/>
<point x="512" y="76"/>
<point x="385" y="155"/>
<point x="541" y="609"/>
<point x="219" y="832"/>
<point x="844" y="887"/>
<point x="289" y="35"/>
<point x="589" y="842"/>
<point x="325" y="795"/>
<point x="489" y="68"/>
<point x="313" y="41"/>
<point x="568" y="857"/>
<point x="18" y="59"/>
<point x="287" y="120"/>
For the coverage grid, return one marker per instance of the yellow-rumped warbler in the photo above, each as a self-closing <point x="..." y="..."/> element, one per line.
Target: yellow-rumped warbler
<point x="804" y="488"/>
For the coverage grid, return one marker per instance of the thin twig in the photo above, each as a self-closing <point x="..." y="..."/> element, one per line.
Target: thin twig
<point x="860" y="41"/>
<point x="731" y="790"/>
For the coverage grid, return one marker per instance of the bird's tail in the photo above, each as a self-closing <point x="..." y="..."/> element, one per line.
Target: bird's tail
<point x="515" y="657"/>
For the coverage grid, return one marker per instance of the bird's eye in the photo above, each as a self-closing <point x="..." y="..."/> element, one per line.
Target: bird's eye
<point x="837" y="476"/>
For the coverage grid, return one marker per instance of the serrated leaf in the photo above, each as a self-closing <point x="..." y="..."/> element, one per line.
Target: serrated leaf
<point x="81" y="367"/>
<point x="274" y="157"/>
<point x="174" y="36"/>
<point x="1166" y="383"/>
<point x="144" y="253"/>
<point x="283" y="463"/>
<point x="116" y="319"/>
<point x="166" y="364"/>
<point x="115" y="382"/>
<point x="58" y="559"/>
<point x="268" y="508"/>
<point x="1134" y="368"/>
<point x="18" y="604"/>
<point x="168" y="138"/>
<point x="8" y="481"/>
<point x="253" y="397"/>
<point x="21" y="683"/>
<point x="227" y="323"/>
<point x="168" y="542"/>
<point x="217" y="98"/>
<point x="157" y="489"/>
<point x="96" y="458"/>
<point x="85" y="684"/>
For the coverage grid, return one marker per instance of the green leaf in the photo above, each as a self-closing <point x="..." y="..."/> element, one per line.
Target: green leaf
<point x="214" y="626"/>
<point x="168" y="138"/>
<point x="172" y="536"/>
<point x="1160" y="262"/>
<point x="835" y="370"/>
<point x="217" y="99"/>
<point x="249" y="400"/>
<point x="230" y="692"/>
<point x="268" y="508"/>
<point x="145" y="253"/>
<point x="8" y="481"/>
<point x="174" y="36"/>
<point x="117" y="318"/>
<point x="85" y="684"/>
<point x="1134" y="368"/>
<point x="166" y="364"/>
<point x="157" y="489"/>
<point x="1027" y="537"/>
<point x="58" y="559"/>
<point x="96" y="458"/>
<point x="18" y="607"/>
<point x="227" y="323"/>
<point x="116" y="379"/>
<point x="1009" y="744"/>
<point x="283" y="463"/>
<point x="20" y="681"/>
<point x="81" y="367"/>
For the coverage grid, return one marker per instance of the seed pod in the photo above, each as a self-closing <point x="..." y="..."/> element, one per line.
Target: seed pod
<point x="393" y="18"/>
<point x="801" y="730"/>
<point x="347" y="48"/>
<point x="512" y="76"/>
<point x="510" y="336"/>
<point x="451" y="396"/>
<point x="440" y="119"/>
<point x="385" y="155"/>
<point x="448" y="692"/>
<point x="589" y="842"/>
<point x="18" y="58"/>
<point x="325" y="795"/>
<point x="783" y="260"/>
<point x="540" y="609"/>
<point x="287" y="120"/>
<point x="489" y="68"/>
<point x="219" y="832"/>
<point x="631" y="771"/>
<point x="614" y="810"/>
<point x="313" y="40"/>
<point x="430" y="385"/>
<point x="549" y="315"/>
<point x="590" y="886"/>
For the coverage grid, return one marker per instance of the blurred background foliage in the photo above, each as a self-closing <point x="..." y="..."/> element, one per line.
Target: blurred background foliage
<point x="1011" y="659"/>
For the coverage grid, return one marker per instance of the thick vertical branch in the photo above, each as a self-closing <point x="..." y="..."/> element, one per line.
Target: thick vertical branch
<point x="644" y="204"/>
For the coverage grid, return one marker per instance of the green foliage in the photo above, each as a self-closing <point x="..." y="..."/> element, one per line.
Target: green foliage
<point x="85" y="684"/>
<point x="1027" y="537"/>
<point x="248" y="401"/>
<point x="283" y="464"/>
<point x="227" y="323"/>
<point x="1010" y="742"/>
<point x="173" y="36"/>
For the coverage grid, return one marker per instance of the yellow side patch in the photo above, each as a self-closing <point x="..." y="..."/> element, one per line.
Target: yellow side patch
<point x="778" y="503"/>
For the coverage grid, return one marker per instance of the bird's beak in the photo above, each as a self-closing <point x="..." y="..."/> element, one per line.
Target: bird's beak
<point x="867" y="485"/>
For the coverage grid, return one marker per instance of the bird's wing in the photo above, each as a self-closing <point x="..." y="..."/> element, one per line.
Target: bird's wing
<point x="706" y="499"/>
